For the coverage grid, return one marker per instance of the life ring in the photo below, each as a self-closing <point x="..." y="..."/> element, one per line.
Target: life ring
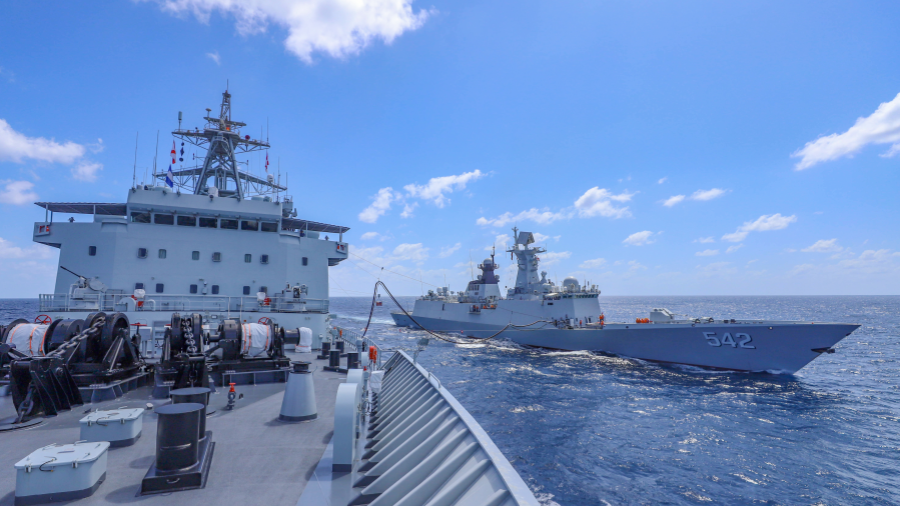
<point x="265" y="320"/>
<point x="43" y="319"/>
<point x="373" y="353"/>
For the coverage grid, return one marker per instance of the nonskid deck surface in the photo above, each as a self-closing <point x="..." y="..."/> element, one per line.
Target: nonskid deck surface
<point x="257" y="460"/>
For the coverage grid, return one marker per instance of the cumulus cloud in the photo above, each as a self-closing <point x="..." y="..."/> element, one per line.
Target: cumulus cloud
<point x="86" y="171"/>
<point x="214" y="56"/>
<point x="824" y="246"/>
<point x="763" y="223"/>
<point x="594" y="202"/>
<point x="437" y="187"/>
<point x="17" y="147"/>
<point x="338" y="28"/>
<point x="662" y="180"/>
<point x="369" y="235"/>
<point x="449" y="250"/>
<point x="17" y="192"/>
<point x="881" y="127"/>
<point x="639" y="238"/>
<point x="8" y="250"/>
<point x="592" y="263"/>
<point x="501" y="242"/>
<point x="411" y="252"/>
<point x="554" y="257"/>
<point x="674" y="199"/>
<point x="408" y="209"/>
<point x="707" y="253"/>
<point x="381" y="203"/>
<point x="732" y="249"/>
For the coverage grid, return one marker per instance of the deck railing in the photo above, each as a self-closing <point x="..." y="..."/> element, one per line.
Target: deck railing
<point x="119" y="302"/>
<point x="355" y="339"/>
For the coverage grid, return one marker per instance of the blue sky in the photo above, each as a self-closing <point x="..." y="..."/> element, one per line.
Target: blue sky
<point x="658" y="148"/>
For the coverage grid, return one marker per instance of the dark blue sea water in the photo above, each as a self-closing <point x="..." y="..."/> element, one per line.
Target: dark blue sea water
<point x="584" y="429"/>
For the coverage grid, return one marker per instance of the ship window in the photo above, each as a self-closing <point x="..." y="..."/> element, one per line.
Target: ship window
<point x="195" y="255"/>
<point x="228" y="224"/>
<point x="140" y="217"/>
<point x="217" y="257"/>
<point x="215" y="289"/>
<point x="92" y="251"/>
<point x="193" y="288"/>
<point x="164" y="219"/>
<point x="162" y="253"/>
<point x="248" y="258"/>
<point x="246" y="290"/>
<point x="159" y="288"/>
<point x="249" y="225"/>
<point x="269" y="226"/>
<point x="138" y="286"/>
<point x="305" y="261"/>
<point x="264" y="289"/>
<point x="187" y="221"/>
<point x="209" y="223"/>
<point x="264" y="259"/>
<point x="142" y="252"/>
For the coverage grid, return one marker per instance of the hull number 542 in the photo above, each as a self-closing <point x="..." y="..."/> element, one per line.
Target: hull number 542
<point x="740" y="340"/>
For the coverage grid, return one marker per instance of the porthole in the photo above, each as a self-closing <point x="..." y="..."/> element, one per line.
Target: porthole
<point x="142" y="253"/>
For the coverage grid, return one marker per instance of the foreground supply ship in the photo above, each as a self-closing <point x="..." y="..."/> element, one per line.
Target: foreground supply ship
<point x="212" y="239"/>
<point x="537" y="312"/>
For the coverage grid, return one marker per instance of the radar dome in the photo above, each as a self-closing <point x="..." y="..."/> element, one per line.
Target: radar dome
<point x="571" y="284"/>
<point x="487" y="261"/>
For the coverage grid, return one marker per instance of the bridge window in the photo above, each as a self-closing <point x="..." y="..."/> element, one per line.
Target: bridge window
<point x="264" y="259"/>
<point x="92" y="251"/>
<point x="209" y="223"/>
<point x="193" y="288"/>
<point x="195" y="255"/>
<point x="216" y="257"/>
<point x="215" y="289"/>
<point x="228" y="224"/>
<point x="140" y="217"/>
<point x="187" y="221"/>
<point x="138" y="286"/>
<point x="164" y="219"/>
<point x="142" y="252"/>
<point x="249" y="225"/>
<point x="162" y="253"/>
<point x="305" y="261"/>
<point x="159" y="288"/>
<point x="246" y="290"/>
<point x="264" y="289"/>
<point x="269" y="226"/>
<point x="248" y="258"/>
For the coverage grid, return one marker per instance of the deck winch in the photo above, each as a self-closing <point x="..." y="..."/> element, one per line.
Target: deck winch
<point x="247" y="348"/>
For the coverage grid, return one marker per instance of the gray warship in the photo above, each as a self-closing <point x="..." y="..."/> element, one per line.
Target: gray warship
<point x="176" y="362"/>
<point x="536" y="312"/>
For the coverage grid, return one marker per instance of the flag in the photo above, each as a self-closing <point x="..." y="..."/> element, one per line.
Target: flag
<point x="173" y="151"/>
<point x="170" y="178"/>
<point x="267" y="162"/>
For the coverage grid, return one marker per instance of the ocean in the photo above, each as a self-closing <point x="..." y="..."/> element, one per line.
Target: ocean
<point x="586" y="429"/>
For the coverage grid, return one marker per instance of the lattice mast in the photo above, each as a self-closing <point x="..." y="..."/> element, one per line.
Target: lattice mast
<point x="221" y="138"/>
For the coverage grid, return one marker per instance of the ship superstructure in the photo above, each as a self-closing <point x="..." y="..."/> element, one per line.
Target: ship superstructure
<point x="214" y="239"/>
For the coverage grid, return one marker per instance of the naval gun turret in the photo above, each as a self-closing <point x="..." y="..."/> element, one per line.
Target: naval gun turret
<point x="85" y="293"/>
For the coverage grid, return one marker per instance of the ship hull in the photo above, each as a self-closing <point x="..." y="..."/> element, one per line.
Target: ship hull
<point x="776" y="347"/>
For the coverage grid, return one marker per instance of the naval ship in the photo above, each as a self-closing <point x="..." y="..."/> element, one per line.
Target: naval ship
<point x="212" y="239"/>
<point x="538" y="313"/>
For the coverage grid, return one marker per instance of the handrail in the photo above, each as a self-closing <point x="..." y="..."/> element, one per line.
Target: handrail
<point x="177" y="302"/>
<point x="345" y="335"/>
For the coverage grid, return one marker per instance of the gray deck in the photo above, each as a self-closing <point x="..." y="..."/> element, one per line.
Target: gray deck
<point x="257" y="459"/>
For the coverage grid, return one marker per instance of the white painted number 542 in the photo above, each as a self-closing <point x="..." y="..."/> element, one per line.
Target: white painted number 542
<point x="744" y="340"/>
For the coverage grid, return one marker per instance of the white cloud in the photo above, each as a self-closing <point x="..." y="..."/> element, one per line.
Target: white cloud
<point x="369" y="235"/>
<point x="501" y="242"/>
<point x="86" y="171"/>
<point x="662" y="180"/>
<point x="881" y="127"/>
<point x="707" y="253"/>
<point x="592" y="263"/>
<point x="708" y="194"/>
<point x="639" y="238"/>
<point x="599" y="201"/>
<point x="437" y="187"/>
<point x="671" y="201"/>
<point x="17" y="193"/>
<point x="541" y="216"/>
<point x="214" y="56"/>
<point x="705" y="240"/>
<point x="411" y="252"/>
<point x="824" y="246"/>
<point x="554" y="257"/>
<point x="732" y="249"/>
<point x="336" y="28"/>
<point x="449" y="250"/>
<point x="9" y="250"/>
<point x="381" y="203"/>
<point x="16" y="147"/>
<point x="763" y="223"/>
<point x="408" y="209"/>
